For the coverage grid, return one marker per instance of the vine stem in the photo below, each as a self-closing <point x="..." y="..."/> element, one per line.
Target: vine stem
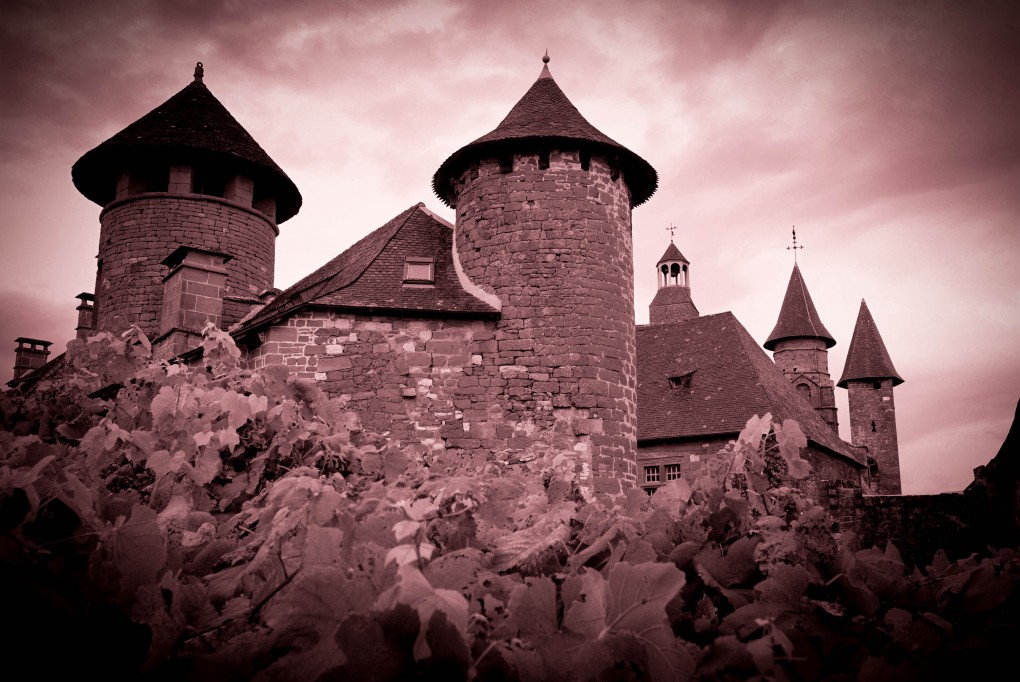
<point x="485" y="652"/>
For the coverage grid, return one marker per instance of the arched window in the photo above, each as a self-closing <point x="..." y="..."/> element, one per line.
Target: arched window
<point x="674" y="271"/>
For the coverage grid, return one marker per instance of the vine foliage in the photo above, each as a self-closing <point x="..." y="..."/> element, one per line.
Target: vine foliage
<point x="167" y="522"/>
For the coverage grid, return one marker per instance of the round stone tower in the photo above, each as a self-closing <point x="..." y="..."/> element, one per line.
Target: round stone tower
<point x="184" y="175"/>
<point x="543" y="223"/>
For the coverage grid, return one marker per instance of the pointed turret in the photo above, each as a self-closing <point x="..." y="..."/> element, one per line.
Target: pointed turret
<point x="868" y="358"/>
<point x="544" y="118"/>
<point x="191" y="124"/>
<point x="798" y="317"/>
<point x="186" y="174"/>
<point x="672" y="302"/>
<point x="544" y="225"/>
<point x="800" y="344"/>
<point x="869" y="376"/>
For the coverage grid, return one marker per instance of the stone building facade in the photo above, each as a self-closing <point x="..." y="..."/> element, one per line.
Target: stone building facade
<point x="505" y="336"/>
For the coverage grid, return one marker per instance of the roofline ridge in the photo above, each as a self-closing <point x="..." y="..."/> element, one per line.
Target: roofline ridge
<point x="325" y="290"/>
<point x="255" y="322"/>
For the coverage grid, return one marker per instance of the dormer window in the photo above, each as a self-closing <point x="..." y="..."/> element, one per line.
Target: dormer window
<point x="681" y="381"/>
<point x="419" y="271"/>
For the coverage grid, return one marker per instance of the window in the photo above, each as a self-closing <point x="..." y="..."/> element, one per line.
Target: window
<point x="652" y="474"/>
<point x="419" y="271"/>
<point x="506" y="164"/>
<point x="674" y="472"/>
<point x="543" y="160"/>
<point x="585" y="160"/>
<point x="681" y="381"/>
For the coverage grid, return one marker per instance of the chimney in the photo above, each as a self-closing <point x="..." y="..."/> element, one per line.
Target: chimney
<point x="192" y="297"/>
<point x="30" y="355"/>
<point x="86" y="314"/>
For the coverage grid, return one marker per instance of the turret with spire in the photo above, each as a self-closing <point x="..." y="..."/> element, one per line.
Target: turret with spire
<point x="869" y="376"/>
<point x="543" y="205"/>
<point x="800" y="344"/>
<point x="672" y="302"/>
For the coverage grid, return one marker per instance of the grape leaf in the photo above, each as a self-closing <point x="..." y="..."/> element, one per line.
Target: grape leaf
<point x="532" y="608"/>
<point x="414" y="590"/>
<point x="139" y="550"/>
<point x="638" y="594"/>
<point x="322" y="545"/>
<point x="586" y="615"/>
<point x="791" y="440"/>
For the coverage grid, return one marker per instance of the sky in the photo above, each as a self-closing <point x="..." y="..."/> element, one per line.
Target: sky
<point x="888" y="133"/>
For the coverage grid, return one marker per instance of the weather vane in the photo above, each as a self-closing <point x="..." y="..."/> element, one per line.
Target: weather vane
<point x="794" y="247"/>
<point x="671" y="228"/>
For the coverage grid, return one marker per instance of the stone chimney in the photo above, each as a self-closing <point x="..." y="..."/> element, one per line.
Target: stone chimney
<point x="86" y="314"/>
<point x="192" y="297"/>
<point x="31" y="354"/>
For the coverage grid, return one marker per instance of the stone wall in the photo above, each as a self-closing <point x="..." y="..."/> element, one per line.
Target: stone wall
<point x="413" y="380"/>
<point x="435" y="387"/>
<point x="140" y="231"/>
<point x="873" y="425"/>
<point x="919" y="525"/>
<point x="554" y="244"/>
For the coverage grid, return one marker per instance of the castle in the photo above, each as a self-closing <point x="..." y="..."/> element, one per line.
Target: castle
<point x="509" y="334"/>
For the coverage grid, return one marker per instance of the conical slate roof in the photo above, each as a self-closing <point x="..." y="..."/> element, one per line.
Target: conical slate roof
<point x="672" y="253"/>
<point x="798" y="317"/>
<point x="867" y="357"/>
<point x="189" y="124"/>
<point x="545" y="115"/>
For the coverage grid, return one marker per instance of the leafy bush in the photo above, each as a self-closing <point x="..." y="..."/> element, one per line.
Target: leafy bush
<point x="211" y="523"/>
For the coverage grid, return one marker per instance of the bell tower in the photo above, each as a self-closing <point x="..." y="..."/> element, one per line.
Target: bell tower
<point x="672" y="302"/>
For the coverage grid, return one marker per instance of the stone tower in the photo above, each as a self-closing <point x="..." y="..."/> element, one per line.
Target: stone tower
<point x="800" y="347"/>
<point x="869" y="376"/>
<point x="672" y="302"/>
<point x="184" y="175"/>
<point x="543" y="225"/>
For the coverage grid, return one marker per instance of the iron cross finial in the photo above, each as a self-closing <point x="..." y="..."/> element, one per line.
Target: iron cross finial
<point x="795" y="246"/>
<point x="671" y="229"/>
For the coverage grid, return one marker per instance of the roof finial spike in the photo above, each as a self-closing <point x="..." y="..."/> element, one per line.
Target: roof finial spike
<point x="794" y="247"/>
<point x="199" y="72"/>
<point x="545" y="67"/>
<point x="671" y="228"/>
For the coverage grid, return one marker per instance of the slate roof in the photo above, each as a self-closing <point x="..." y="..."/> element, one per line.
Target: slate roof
<point x="867" y="357"/>
<point x="673" y="253"/>
<point x="731" y="379"/>
<point x="798" y="317"/>
<point x="674" y="295"/>
<point x="369" y="275"/>
<point x="192" y="121"/>
<point x="545" y="115"/>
